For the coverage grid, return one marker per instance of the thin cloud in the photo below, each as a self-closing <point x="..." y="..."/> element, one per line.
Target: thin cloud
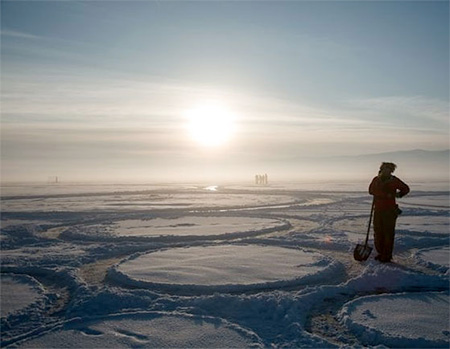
<point x="417" y="107"/>
<point x="19" y="35"/>
<point x="144" y="116"/>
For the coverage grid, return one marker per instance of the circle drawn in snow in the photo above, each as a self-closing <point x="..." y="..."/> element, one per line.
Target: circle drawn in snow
<point x="185" y="227"/>
<point x="400" y="320"/>
<point x="149" y="330"/>
<point x="223" y="268"/>
<point x="18" y="292"/>
<point x="435" y="258"/>
<point x="430" y="201"/>
<point x="428" y="224"/>
<point x="302" y="225"/>
<point x="356" y="227"/>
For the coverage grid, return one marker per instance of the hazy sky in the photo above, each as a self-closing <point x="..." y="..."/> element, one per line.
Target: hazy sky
<point x="111" y="89"/>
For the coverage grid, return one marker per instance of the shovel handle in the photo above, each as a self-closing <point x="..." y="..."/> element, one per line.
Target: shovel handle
<point x="370" y="221"/>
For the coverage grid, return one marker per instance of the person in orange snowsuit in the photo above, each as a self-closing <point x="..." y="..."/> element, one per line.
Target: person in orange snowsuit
<point x="385" y="188"/>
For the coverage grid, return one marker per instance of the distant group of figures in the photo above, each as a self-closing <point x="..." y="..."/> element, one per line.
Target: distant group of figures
<point x="261" y="179"/>
<point x="52" y="180"/>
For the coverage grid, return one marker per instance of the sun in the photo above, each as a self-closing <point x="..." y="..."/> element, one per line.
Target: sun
<point x="210" y="125"/>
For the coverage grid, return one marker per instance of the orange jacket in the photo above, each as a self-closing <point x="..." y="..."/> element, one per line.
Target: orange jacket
<point x="385" y="191"/>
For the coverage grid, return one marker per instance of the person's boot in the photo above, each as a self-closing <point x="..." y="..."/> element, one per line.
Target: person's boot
<point x="383" y="259"/>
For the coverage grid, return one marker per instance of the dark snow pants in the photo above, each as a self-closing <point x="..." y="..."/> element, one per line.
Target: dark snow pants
<point x="384" y="233"/>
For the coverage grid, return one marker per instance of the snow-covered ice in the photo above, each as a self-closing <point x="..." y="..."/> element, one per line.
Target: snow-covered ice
<point x="224" y="268"/>
<point x="400" y="320"/>
<point x="194" y="226"/>
<point x="18" y="292"/>
<point x="435" y="258"/>
<point x="200" y="227"/>
<point x="437" y="200"/>
<point x="205" y="265"/>
<point x="146" y="330"/>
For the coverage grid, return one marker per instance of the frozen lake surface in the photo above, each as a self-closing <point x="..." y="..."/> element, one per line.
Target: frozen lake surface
<point x="17" y="293"/>
<point x="424" y="324"/>
<point x="223" y="268"/>
<point x="148" y="330"/>
<point x="218" y="265"/>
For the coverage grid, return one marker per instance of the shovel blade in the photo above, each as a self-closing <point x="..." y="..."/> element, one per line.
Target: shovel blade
<point x="362" y="252"/>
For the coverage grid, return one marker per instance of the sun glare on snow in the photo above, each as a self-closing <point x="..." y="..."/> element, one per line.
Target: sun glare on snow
<point x="210" y="125"/>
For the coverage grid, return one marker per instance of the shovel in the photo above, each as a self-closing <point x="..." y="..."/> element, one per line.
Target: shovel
<point x="362" y="252"/>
